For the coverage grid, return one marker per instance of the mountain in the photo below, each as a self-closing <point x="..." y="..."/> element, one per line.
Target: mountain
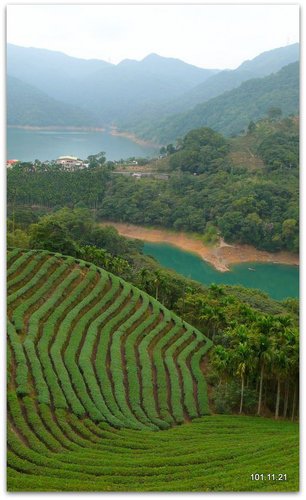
<point x="132" y="94"/>
<point x="263" y="65"/>
<point x="52" y="72"/>
<point x="126" y="91"/>
<point x="272" y="60"/>
<point x="222" y="81"/>
<point x="231" y="112"/>
<point x="114" y="92"/>
<point x="27" y="105"/>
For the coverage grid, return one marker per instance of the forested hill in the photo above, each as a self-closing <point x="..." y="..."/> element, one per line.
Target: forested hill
<point x="263" y="65"/>
<point x="108" y="91"/>
<point x="244" y="188"/>
<point x="27" y="105"/>
<point x="132" y="94"/>
<point x="231" y="112"/>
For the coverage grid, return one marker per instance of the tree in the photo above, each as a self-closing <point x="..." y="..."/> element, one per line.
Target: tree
<point x="170" y="149"/>
<point x="283" y="344"/>
<point x="221" y="362"/>
<point x="97" y="160"/>
<point x="49" y="235"/>
<point x="263" y="346"/>
<point x="289" y="228"/>
<point x="251" y="127"/>
<point x="18" y="238"/>
<point x="244" y="357"/>
<point x="202" y="150"/>
<point x="274" y="113"/>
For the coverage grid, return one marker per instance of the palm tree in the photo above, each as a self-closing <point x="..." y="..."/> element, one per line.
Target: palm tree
<point x="292" y="338"/>
<point x="264" y="356"/>
<point x="221" y="362"/>
<point x="280" y="367"/>
<point x="280" y="362"/>
<point x="209" y="315"/>
<point x="285" y="359"/>
<point x="243" y="356"/>
<point x="158" y="281"/>
<point x="242" y="353"/>
<point x="263" y="347"/>
<point x="216" y="290"/>
<point x="146" y="279"/>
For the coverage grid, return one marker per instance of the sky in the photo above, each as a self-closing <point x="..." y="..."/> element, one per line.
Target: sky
<point x="208" y="36"/>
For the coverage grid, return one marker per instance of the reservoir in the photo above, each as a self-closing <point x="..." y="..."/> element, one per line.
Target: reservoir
<point x="29" y="145"/>
<point x="277" y="280"/>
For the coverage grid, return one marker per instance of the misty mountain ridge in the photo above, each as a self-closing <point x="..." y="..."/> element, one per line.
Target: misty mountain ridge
<point x="27" y="105"/>
<point x="111" y="92"/>
<point x="264" y="64"/>
<point x="130" y="92"/>
<point x="231" y="112"/>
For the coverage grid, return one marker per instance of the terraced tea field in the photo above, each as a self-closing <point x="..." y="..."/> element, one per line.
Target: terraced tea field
<point x="94" y="368"/>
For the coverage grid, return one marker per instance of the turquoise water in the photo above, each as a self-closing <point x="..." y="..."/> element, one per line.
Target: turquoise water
<point x="278" y="280"/>
<point x="28" y="145"/>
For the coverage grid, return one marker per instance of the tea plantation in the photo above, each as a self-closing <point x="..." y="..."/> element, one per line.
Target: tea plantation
<point x="100" y="378"/>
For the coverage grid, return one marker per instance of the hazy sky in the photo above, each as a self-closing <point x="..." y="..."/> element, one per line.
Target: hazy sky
<point x="211" y="36"/>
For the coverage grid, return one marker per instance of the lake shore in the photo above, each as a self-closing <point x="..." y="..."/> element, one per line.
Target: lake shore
<point x="221" y="256"/>
<point x="58" y="127"/>
<point x="112" y="131"/>
<point x="134" y="138"/>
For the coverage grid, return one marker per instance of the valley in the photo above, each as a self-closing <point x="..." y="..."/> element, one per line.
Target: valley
<point x="152" y="249"/>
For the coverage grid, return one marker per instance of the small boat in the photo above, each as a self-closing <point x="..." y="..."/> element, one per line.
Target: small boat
<point x="251" y="269"/>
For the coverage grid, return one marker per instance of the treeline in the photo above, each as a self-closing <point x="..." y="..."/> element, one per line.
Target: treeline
<point x="206" y="191"/>
<point x="253" y="367"/>
<point x="255" y="362"/>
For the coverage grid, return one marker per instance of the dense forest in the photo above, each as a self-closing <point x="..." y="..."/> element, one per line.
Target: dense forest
<point x="245" y="188"/>
<point x="231" y="112"/>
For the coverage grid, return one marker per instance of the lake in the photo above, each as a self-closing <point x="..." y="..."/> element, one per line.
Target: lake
<point x="28" y="145"/>
<point x="278" y="280"/>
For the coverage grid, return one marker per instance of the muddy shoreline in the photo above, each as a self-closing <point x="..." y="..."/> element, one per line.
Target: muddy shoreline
<point x="221" y="256"/>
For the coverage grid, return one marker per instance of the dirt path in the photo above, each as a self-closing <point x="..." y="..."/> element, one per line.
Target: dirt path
<point x="220" y="256"/>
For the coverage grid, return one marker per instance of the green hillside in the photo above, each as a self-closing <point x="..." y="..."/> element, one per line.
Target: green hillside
<point x="94" y="366"/>
<point x="231" y="112"/>
<point x="27" y="105"/>
<point x="245" y="187"/>
<point x="262" y="65"/>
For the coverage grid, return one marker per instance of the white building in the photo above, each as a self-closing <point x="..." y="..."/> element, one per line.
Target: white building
<point x="69" y="162"/>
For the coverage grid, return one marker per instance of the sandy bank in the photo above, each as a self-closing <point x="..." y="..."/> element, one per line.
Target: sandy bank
<point x="220" y="256"/>
<point x="132" y="137"/>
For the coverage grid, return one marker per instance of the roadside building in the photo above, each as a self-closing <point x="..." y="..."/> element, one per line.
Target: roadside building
<point x="11" y="163"/>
